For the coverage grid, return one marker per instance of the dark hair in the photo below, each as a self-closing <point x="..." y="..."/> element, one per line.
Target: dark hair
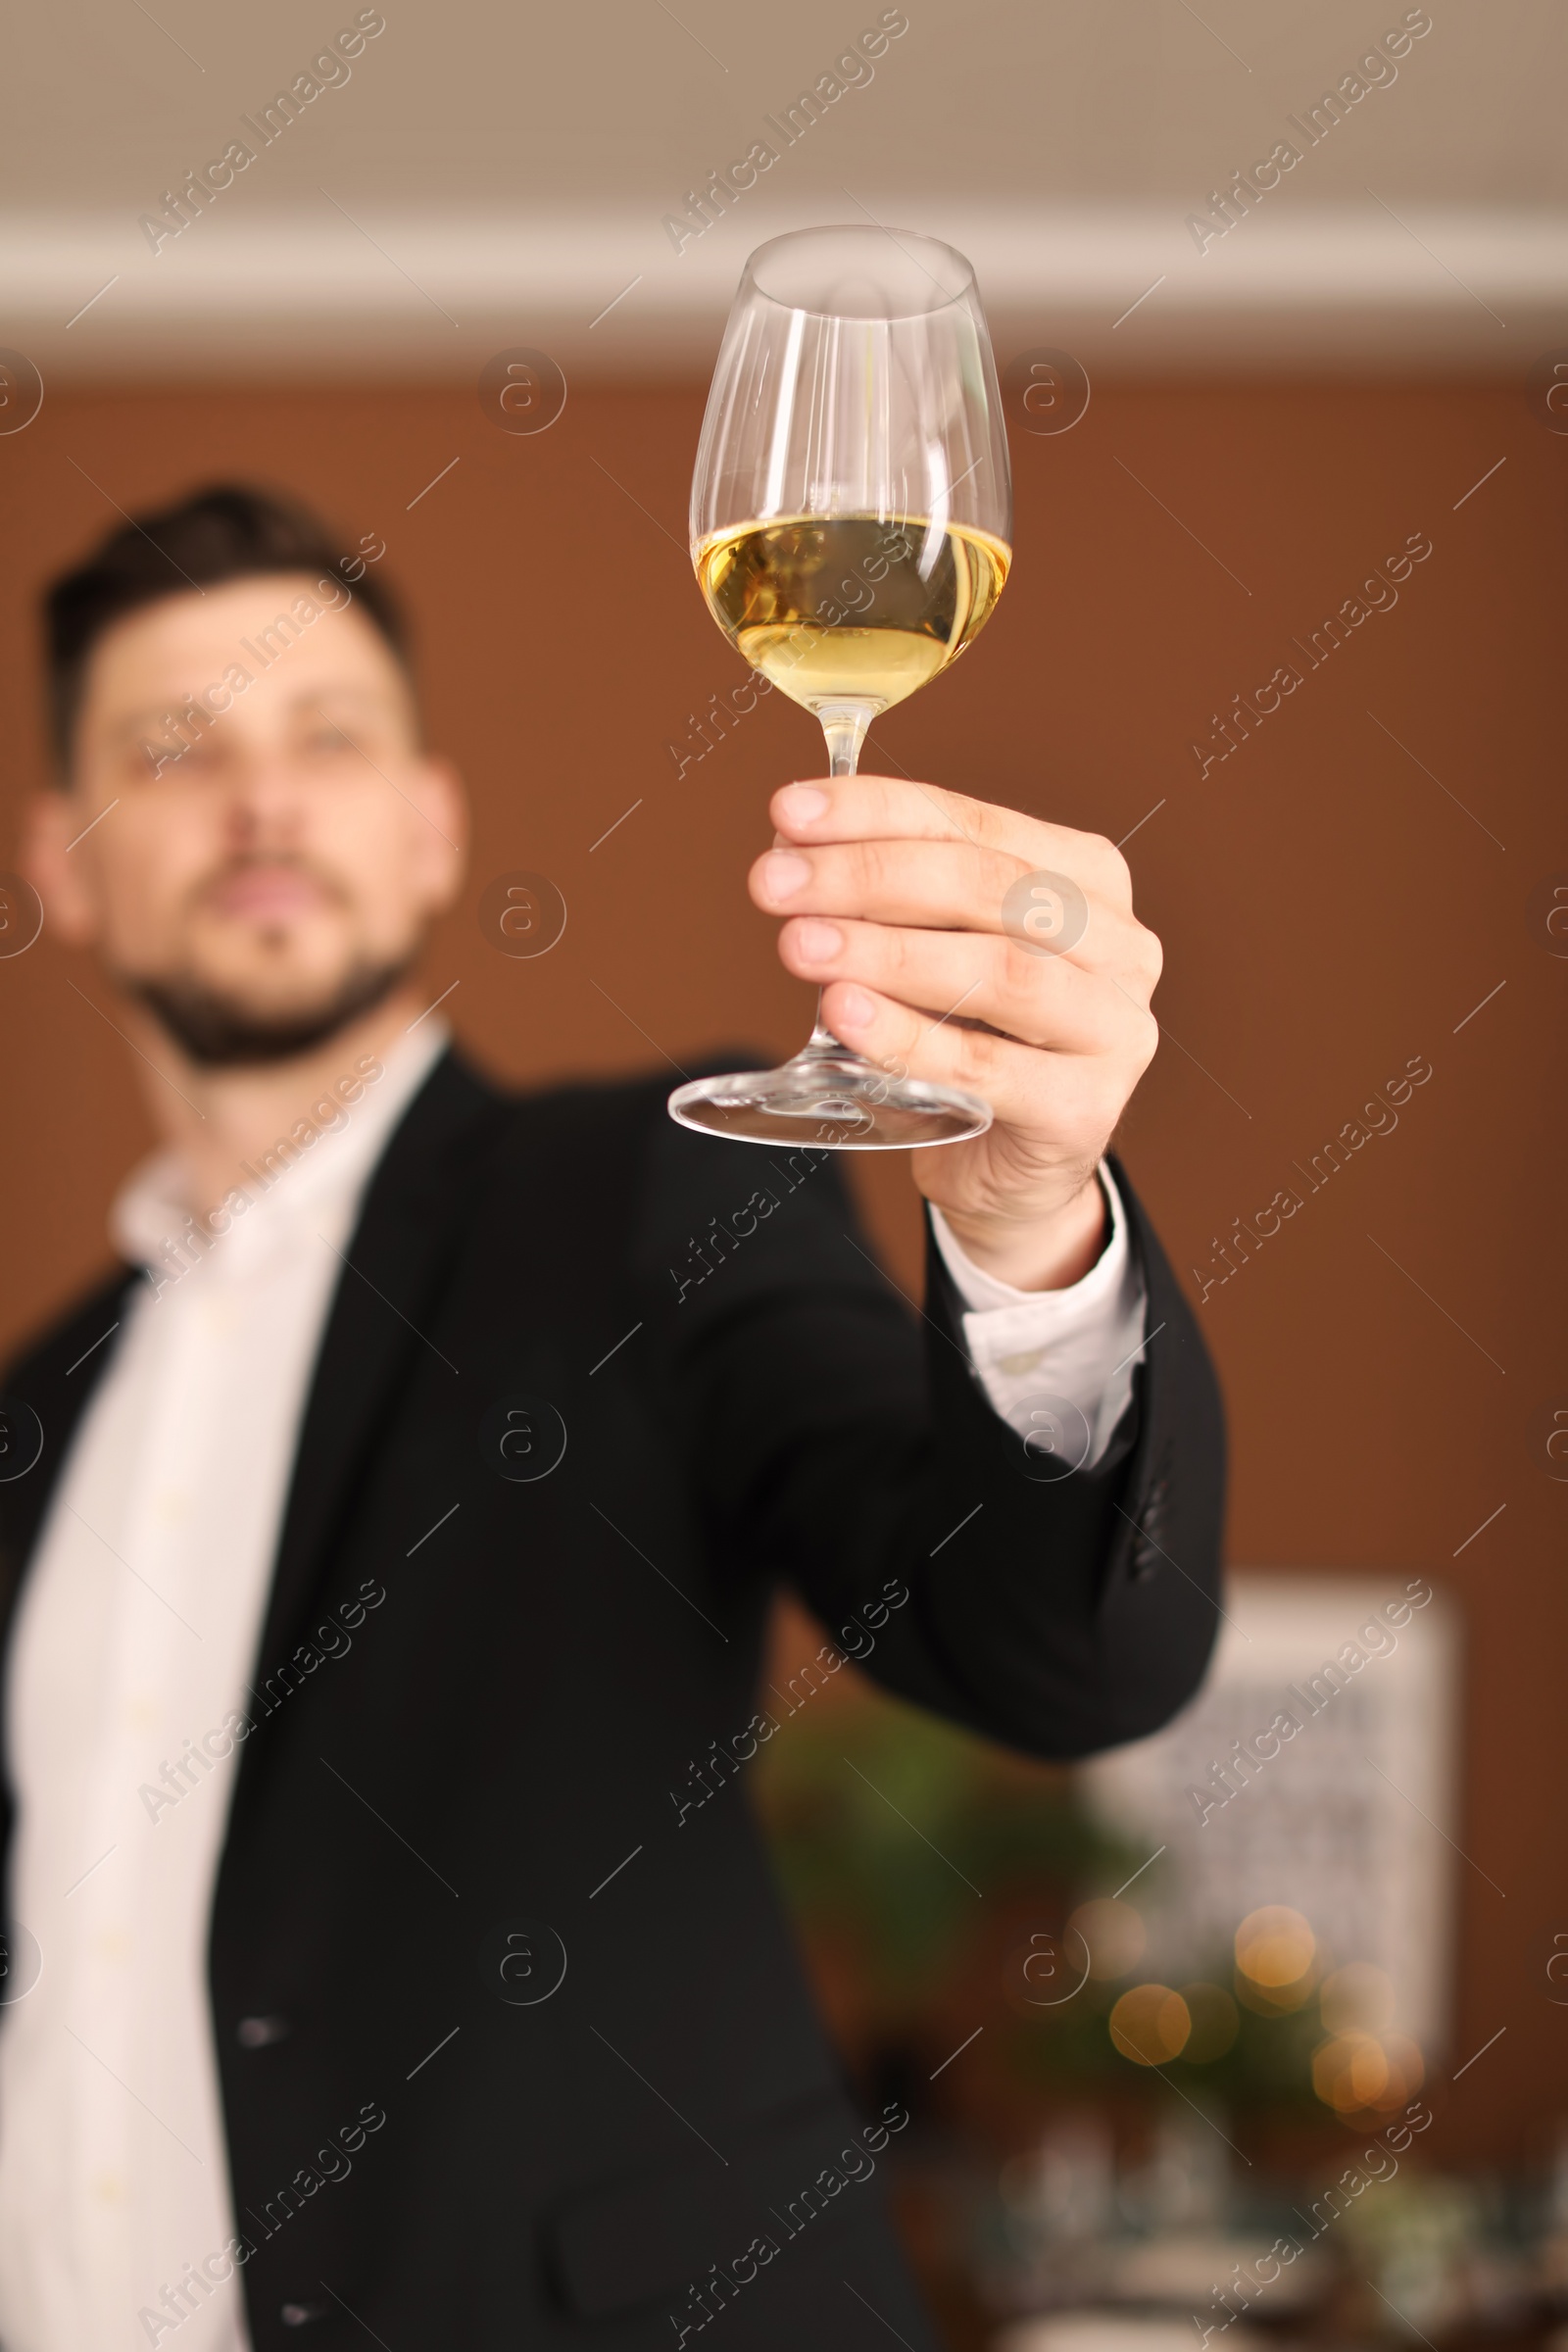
<point x="228" y="531"/>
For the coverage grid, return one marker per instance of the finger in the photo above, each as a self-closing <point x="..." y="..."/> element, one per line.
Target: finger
<point x="1077" y="1093"/>
<point x="1043" y="1001"/>
<point x="884" y="807"/>
<point x="943" y="883"/>
<point x="939" y="885"/>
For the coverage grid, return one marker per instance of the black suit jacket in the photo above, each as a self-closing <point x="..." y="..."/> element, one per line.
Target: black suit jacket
<point x="488" y="1775"/>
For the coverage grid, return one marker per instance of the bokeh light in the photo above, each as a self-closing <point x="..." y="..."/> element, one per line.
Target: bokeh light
<point x="1274" y="1946"/>
<point x="1350" y="2072"/>
<point x="1151" y="2025"/>
<point x="1276" y="1960"/>
<point x="1358" y="2073"/>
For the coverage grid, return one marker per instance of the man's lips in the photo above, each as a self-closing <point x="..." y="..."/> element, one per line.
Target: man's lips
<point x="268" y="891"/>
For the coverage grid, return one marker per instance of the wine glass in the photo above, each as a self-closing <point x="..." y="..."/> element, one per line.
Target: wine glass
<point x="852" y="512"/>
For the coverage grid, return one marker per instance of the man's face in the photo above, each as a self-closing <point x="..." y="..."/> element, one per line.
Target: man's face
<point x="296" y="850"/>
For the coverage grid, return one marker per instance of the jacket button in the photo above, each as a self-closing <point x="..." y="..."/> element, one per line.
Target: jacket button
<point x="299" y="2315"/>
<point x="255" y="2033"/>
<point x="1145" y="1562"/>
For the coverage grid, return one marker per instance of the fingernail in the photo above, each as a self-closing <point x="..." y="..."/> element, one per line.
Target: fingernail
<point x="784" y="874"/>
<point x="817" y="942"/>
<point x="802" y="803"/>
<point x="852" y="1009"/>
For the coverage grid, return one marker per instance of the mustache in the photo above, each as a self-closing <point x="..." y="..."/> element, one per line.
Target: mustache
<point x="250" y="861"/>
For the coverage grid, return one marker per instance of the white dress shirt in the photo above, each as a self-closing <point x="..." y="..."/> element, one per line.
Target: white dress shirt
<point x="136" y="1630"/>
<point x="1056" y="1364"/>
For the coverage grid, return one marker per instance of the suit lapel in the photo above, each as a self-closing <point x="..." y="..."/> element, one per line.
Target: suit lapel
<point x="387" y="1298"/>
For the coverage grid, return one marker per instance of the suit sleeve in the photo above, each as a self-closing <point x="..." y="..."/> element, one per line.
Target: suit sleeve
<point x="836" y="1434"/>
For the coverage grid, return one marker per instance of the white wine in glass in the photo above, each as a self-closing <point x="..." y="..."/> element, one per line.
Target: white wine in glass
<point x="851" y="514"/>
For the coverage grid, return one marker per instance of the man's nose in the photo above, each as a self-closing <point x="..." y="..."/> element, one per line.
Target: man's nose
<point x="267" y="795"/>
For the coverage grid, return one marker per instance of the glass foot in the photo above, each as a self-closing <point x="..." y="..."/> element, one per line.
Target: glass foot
<point x="831" y="1100"/>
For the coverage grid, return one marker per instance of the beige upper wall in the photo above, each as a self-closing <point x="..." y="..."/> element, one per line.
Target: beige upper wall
<point x="571" y="107"/>
<point x="510" y="169"/>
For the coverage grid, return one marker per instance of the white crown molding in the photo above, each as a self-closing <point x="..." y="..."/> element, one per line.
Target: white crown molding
<point x="248" y="294"/>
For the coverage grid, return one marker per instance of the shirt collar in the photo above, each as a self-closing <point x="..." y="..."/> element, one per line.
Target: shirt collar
<point x="315" y="1170"/>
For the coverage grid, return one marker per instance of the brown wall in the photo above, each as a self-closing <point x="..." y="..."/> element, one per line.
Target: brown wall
<point x="1329" y="910"/>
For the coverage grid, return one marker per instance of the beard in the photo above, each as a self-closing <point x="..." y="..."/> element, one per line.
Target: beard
<point x="217" y="1032"/>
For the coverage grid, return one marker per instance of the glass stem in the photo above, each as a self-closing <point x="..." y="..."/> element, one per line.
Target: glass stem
<point x="844" y="726"/>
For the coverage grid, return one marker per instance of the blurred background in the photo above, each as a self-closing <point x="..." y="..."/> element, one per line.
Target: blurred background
<point x="1280" y="295"/>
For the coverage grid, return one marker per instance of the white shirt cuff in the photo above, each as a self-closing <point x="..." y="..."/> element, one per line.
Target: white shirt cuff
<point x="1057" y="1365"/>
